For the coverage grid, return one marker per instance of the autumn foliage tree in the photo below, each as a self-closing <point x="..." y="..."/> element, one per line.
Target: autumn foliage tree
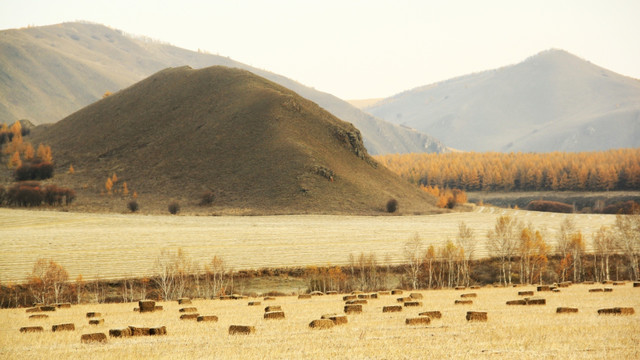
<point x="47" y="281"/>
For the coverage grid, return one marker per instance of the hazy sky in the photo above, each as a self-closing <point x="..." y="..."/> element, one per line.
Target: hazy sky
<point x="366" y="49"/>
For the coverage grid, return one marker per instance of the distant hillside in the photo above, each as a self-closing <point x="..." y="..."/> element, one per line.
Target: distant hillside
<point x="261" y="148"/>
<point x="48" y="72"/>
<point x="553" y="101"/>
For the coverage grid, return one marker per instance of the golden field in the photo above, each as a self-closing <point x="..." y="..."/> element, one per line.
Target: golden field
<point x="511" y="332"/>
<point x="126" y="245"/>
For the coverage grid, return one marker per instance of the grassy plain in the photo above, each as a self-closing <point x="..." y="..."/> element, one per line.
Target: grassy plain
<point x="511" y="332"/>
<point x="118" y="245"/>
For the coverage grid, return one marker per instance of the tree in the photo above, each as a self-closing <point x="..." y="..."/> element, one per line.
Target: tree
<point x="429" y="258"/>
<point x="47" y="281"/>
<point x="125" y="189"/>
<point x="413" y="256"/>
<point x="108" y="185"/>
<point x="563" y="245"/>
<point x="15" y="161"/>
<point x="71" y="170"/>
<point x="605" y="245"/>
<point x="174" y="208"/>
<point x="503" y="244"/>
<point x="173" y="272"/>
<point x="628" y="238"/>
<point x="133" y="206"/>
<point x="44" y="153"/>
<point x="466" y="243"/>
<point x="392" y="205"/>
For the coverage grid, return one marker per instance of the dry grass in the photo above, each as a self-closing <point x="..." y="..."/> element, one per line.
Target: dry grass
<point x="109" y="245"/>
<point x="510" y="332"/>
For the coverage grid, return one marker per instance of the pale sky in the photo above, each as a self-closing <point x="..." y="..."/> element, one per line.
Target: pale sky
<point x="365" y="49"/>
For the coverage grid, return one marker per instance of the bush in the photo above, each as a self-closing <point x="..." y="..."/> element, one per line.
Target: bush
<point x="25" y="194"/>
<point x="622" y="207"/>
<point x="34" y="171"/>
<point x="3" y="193"/>
<point x="174" y="208"/>
<point x="207" y="198"/>
<point x="54" y="195"/>
<point x="392" y="205"/>
<point x="132" y="206"/>
<point x="549" y="206"/>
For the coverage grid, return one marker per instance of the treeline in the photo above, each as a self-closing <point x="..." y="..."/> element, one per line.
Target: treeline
<point x="584" y="171"/>
<point x="522" y="254"/>
<point x="32" y="193"/>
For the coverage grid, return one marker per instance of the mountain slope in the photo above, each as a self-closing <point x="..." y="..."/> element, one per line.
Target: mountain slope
<point x="260" y="147"/>
<point x="553" y="101"/>
<point x="48" y="72"/>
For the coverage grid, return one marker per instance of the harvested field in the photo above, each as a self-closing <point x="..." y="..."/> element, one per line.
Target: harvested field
<point x="532" y="332"/>
<point x="108" y="245"/>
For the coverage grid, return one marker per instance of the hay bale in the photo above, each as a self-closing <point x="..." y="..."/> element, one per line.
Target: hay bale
<point x="136" y="309"/>
<point x="273" y="308"/>
<point x="353" y="309"/>
<point x="358" y="301"/>
<point x="607" y="282"/>
<point x="421" y="320"/>
<point x="95" y="337"/>
<point x="373" y="295"/>
<point x="563" y="310"/>
<point x="321" y="324"/>
<point x="255" y="303"/>
<point x="396" y="292"/>
<point x="477" y="316"/>
<point x="189" y="310"/>
<point x="517" y="302"/>
<point x="274" y="315"/>
<point x="38" y="316"/>
<point x="93" y="314"/>
<point x="189" y="316"/>
<point x="556" y="290"/>
<point x="241" y="330"/>
<point x="416" y="296"/>
<point x="48" y="308"/>
<point x="596" y="290"/>
<point x="34" y="309"/>
<point x="474" y="287"/>
<point x="356" y="292"/>
<point x="544" y="288"/>
<point x="588" y="282"/>
<point x="96" y="322"/>
<point x="431" y="314"/>
<point x="404" y="299"/>
<point x="226" y="297"/>
<point x="349" y="297"/>
<point x="138" y="331"/>
<point x="331" y="292"/>
<point x="469" y="295"/>
<point x="63" y="327"/>
<point x="316" y="293"/>
<point x="162" y="330"/>
<point x="608" y="289"/>
<point x="464" y="302"/>
<point x="617" y="311"/>
<point x="268" y="298"/>
<point x="364" y="296"/>
<point x="392" y="308"/>
<point x="337" y="319"/>
<point x="565" y="284"/>
<point x="536" y="301"/>
<point x="126" y="332"/>
<point x="184" y="301"/>
<point x="636" y="284"/>
<point x="63" y="305"/>
<point x="210" y="318"/>
<point x="304" y="296"/>
<point x="413" y="303"/>
<point x="158" y="308"/>
<point x="147" y="305"/>
<point x="460" y="287"/>
<point x="28" y="329"/>
<point x="384" y="293"/>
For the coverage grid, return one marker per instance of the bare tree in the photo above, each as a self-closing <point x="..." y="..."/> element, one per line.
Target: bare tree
<point x="503" y="244"/>
<point x="413" y="254"/>
<point x="47" y="281"/>
<point x="628" y="236"/>
<point x="165" y="274"/>
<point x="563" y="244"/>
<point x="604" y="243"/>
<point x="214" y="277"/>
<point x="466" y="243"/>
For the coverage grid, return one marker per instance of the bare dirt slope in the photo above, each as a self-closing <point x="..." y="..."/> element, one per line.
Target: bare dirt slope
<point x="258" y="146"/>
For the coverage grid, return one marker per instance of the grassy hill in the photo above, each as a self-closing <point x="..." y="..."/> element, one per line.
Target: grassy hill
<point x="51" y="71"/>
<point x="553" y="101"/>
<point x="261" y="148"/>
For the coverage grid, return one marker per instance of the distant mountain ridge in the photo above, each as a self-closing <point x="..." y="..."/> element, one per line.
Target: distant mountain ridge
<point x="553" y="101"/>
<point x="260" y="147"/>
<point x="48" y="72"/>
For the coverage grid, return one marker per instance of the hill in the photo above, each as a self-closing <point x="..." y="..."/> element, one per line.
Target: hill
<point x="261" y="148"/>
<point x="553" y="101"/>
<point x="51" y="71"/>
